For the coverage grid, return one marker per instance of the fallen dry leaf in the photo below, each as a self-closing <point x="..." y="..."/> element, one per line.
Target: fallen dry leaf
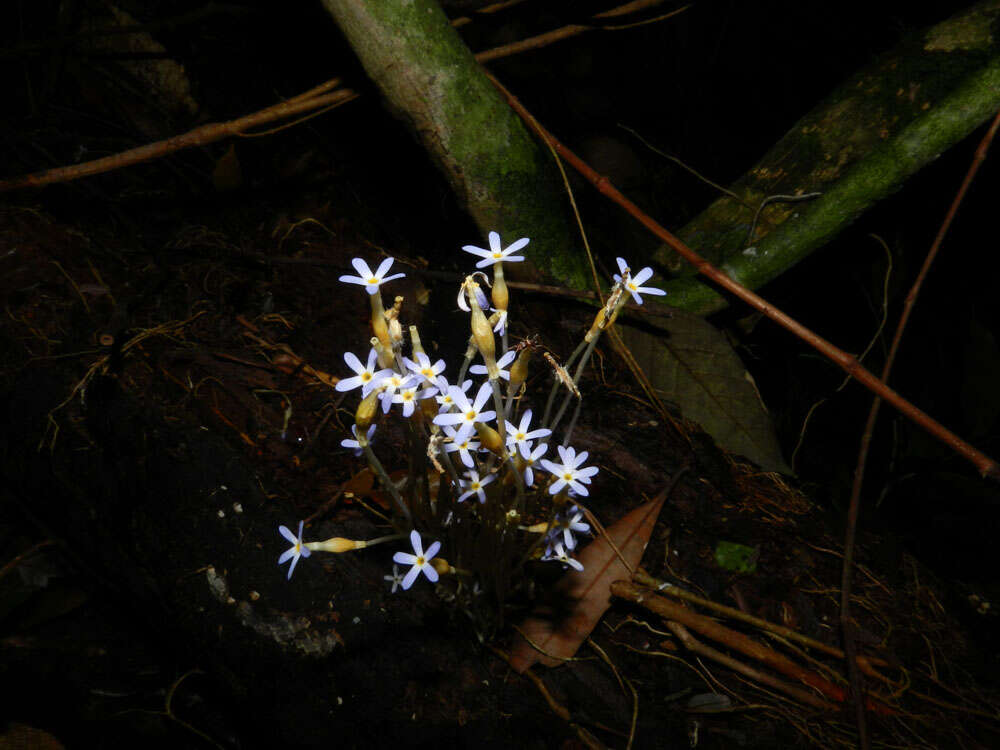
<point x="588" y="591"/>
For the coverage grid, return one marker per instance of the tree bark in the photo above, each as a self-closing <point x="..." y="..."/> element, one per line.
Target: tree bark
<point x="859" y="146"/>
<point x="431" y="81"/>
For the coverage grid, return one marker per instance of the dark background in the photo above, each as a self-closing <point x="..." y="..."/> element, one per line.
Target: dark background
<point x="716" y="86"/>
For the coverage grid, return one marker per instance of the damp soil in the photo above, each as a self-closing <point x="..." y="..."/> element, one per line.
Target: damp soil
<point x="168" y="408"/>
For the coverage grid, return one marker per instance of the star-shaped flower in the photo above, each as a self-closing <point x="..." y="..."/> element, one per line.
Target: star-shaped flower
<point x="633" y="283"/>
<point x="495" y="254"/>
<point x="529" y="463"/>
<point x="474" y="486"/>
<point x="520" y="435"/>
<point x="558" y="552"/>
<point x="505" y="361"/>
<point x="569" y="472"/>
<point x="365" y="376"/>
<point x="462" y="446"/>
<point x="420" y="560"/>
<point x="423" y="367"/>
<point x="467" y="414"/>
<point x="396" y="578"/>
<point x="354" y="445"/>
<point x="568" y="522"/>
<point x="408" y="395"/>
<point x="297" y="550"/>
<point x="444" y="396"/>
<point x="371" y="281"/>
<point x="393" y="383"/>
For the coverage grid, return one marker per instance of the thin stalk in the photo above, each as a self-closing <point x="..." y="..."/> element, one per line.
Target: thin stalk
<point x="555" y="386"/>
<point x="384" y="478"/>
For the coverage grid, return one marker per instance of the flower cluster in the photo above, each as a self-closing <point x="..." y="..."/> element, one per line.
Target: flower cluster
<point x="480" y="445"/>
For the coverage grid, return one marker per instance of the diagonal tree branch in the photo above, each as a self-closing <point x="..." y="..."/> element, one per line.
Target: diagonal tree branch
<point x="847" y="362"/>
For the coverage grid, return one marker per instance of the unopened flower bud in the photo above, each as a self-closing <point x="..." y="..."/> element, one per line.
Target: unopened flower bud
<point x="538" y="528"/>
<point x="500" y="295"/>
<point x="442" y="566"/>
<point x="429" y="408"/>
<point x="519" y="370"/>
<point x="337" y="544"/>
<point x="366" y="413"/>
<point x="379" y="326"/>
<point x="482" y="334"/>
<point x="490" y="439"/>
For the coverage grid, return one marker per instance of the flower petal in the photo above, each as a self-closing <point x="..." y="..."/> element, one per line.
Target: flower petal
<point x="411" y="577"/>
<point x="643" y="275"/>
<point x="354" y="363"/>
<point x="516" y="245"/>
<point x="383" y="268"/>
<point x="362" y="268"/>
<point x="418" y="545"/>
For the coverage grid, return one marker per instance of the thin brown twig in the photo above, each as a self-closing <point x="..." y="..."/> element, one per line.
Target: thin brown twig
<point x="642" y="577"/>
<point x="675" y="613"/>
<point x="695" y="646"/>
<point x="308" y="101"/>
<point x="847" y="362"/>
<point x="847" y="624"/>
<point x="200" y="136"/>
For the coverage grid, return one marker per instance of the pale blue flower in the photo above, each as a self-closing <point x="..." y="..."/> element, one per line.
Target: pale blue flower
<point x="567" y="523"/>
<point x="354" y="445"/>
<point x="371" y="281"/>
<point x="558" y="552"/>
<point x="505" y="361"/>
<point x="424" y="368"/>
<point x="297" y="550"/>
<point x="462" y="446"/>
<point x="474" y="486"/>
<point x="501" y="321"/>
<point x="408" y="395"/>
<point x="529" y="460"/>
<point x="467" y="414"/>
<point x="495" y="254"/>
<point x="392" y="383"/>
<point x="521" y="435"/>
<point x="420" y="560"/>
<point x="365" y="376"/>
<point x="634" y="281"/>
<point x="396" y="578"/>
<point x="444" y="396"/>
<point x="569" y="472"/>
